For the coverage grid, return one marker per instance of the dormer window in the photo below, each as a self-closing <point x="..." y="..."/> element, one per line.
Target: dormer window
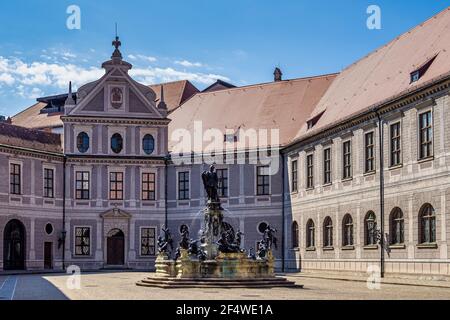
<point x="312" y="122"/>
<point x="420" y="71"/>
<point x="415" y="76"/>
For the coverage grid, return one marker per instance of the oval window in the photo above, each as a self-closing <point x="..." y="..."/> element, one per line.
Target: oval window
<point x="262" y="227"/>
<point x="83" y="142"/>
<point x="148" y="144"/>
<point x="49" y="228"/>
<point x="116" y="143"/>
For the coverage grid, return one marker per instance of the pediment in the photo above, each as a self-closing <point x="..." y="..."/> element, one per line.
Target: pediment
<point x="116" y="94"/>
<point x="115" y="213"/>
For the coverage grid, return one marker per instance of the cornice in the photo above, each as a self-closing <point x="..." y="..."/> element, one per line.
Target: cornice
<point x="31" y="153"/>
<point x="112" y="120"/>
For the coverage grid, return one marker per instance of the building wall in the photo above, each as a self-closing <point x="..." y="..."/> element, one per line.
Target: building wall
<point x="408" y="187"/>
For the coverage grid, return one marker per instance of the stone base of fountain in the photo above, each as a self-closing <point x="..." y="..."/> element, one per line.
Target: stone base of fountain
<point x="227" y="270"/>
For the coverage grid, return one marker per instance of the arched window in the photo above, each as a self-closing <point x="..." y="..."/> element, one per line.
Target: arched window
<point x="370" y="226"/>
<point x="328" y="232"/>
<point x="347" y="228"/>
<point x="294" y="235"/>
<point x="148" y="144"/>
<point x="427" y="224"/>
<point x="83" y="142"/>
<point x="310" y="234"/>
<point x="397" y="226"/>
<point x="116" y="143"/>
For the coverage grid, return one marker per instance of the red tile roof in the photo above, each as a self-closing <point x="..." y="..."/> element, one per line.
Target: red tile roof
<point x="385" y="73"/>
<point x="283" y="105"/>
<point x="175" y="93"/>
<point x="37" y="140"/>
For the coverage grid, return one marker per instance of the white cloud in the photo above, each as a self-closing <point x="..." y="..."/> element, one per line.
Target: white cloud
<point x="6" y="78"/>
<point x="188" y="64"/>
<point x="142" y="57"/>
<point x="38" y="78"/>
<point x="154" y="75"/>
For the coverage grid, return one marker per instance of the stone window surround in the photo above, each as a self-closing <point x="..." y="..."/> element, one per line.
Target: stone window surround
<point x="398" y="121"/>
<point x="143" y="170"/>
<point x="77" y="129"/>
<point x="140" y="241"/>
<point x="255" y="172"/>
<point x="421" y="111"/>
<point x="120" y="169"/>
<point x="20" y="163"/>
<point x="177" y="171"/>
<point x="291" y="185"/>
<point x="123" y="132"/>
<point x="74" y="241"/>
<point x="152" y="131"/>
<point x="75" y="170"/>
<point x="51" y="167"/>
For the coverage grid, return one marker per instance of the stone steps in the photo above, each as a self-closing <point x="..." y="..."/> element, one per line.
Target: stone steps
<point x="160" y="282"/>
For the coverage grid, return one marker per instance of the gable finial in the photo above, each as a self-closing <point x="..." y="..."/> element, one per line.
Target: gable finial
<point x="117" y="43"/>
<point x="69" y="101"/>
<point x="162" y="104"/>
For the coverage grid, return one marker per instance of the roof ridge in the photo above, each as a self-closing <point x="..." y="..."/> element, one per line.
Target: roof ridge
<point x="26" y="109"/>
<point x="412" y="29"/>
<point x="269" y="83"/>
<point x="163" y="83"/>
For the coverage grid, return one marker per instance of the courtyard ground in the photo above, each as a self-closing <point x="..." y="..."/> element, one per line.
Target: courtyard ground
<point x="121" y="286"/>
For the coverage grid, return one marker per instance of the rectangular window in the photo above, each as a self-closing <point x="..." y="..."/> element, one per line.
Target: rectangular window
<point x="148" y="186"/>
<point x="116" y="185"/>
<point x="327" y="166"/>
<point x="426" y="135"/>
<point x="148" y="243"/>
<point x="262" y="181"/>
<point x="222" y="174"/>
<point x="82" y="185"/>
<point x="395" y="144"/>
<point x="369" y="152"/>
<point x="294" y="176"/>
<point x="183" y="185"/>
<point x="82" y="241"/>
<point x="310" y="171"/>
<point x="347" y="159"/>
<point x="15" y="181"/>
<point x="49" y="183"/>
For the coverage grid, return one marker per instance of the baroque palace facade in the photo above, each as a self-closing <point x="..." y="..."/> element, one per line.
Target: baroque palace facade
<point x="360" y="166"/>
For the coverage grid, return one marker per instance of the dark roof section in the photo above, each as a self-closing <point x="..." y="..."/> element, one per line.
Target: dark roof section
<point x="20" y="137"/>
<point x="219" y="85"/>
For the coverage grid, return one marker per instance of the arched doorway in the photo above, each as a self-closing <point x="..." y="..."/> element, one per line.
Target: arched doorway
<point x="115" y="248"/>
<point x="14" y="238"/>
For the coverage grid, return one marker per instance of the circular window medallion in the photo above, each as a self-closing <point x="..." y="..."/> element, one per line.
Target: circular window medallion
<point x="148" y="144"/>
<point x="49" y="228"/>
<point x="116" y="143"/>
<point x="262" y="226"/>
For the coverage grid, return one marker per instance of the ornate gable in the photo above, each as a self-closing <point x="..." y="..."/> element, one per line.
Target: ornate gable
<point x="116" y="94"/>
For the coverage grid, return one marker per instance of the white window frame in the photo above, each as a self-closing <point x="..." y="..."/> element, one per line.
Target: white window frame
<point x="20" y="163"/>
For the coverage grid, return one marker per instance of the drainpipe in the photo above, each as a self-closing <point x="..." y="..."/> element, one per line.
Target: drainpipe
<point x="381" y="156"/>
<point x="64" y="217"/>
<point x="166" y="218"/>
<point x="283" y="213"/>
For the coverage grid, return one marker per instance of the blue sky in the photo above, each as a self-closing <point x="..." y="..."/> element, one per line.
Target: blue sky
<point x="240" y="41"/>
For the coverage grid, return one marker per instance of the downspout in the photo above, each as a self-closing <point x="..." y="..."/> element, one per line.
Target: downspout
<point x="283" y="213"/>
<point x="381" y="156"/>
<point x="166" y="218"/>
<point x="63" y="235"/>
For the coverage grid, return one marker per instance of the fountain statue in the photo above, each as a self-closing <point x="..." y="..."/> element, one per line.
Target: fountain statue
<point x="217" y="258"/>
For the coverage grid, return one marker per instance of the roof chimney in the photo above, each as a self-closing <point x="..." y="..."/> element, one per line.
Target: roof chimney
<point x="278" y="75"/>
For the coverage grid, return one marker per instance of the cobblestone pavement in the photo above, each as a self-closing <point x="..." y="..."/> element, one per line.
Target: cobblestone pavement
<point x="121" y="285"/>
